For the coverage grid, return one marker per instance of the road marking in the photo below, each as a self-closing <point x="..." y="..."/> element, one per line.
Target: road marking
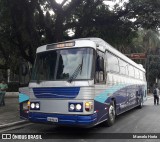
<point x="11" y="124"/>
<point x="14" y="127"/>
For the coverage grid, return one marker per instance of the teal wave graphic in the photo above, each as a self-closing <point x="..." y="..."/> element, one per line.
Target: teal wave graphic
<point x="102" y="97"/>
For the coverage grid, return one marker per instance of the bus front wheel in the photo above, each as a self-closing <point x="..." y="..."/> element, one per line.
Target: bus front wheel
<point x="111" y="114"/>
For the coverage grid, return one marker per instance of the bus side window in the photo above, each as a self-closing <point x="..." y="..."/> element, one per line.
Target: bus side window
<point x="99" y="77"/>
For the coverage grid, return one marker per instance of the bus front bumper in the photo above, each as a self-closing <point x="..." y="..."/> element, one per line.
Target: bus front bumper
<point x="63" y="119"/>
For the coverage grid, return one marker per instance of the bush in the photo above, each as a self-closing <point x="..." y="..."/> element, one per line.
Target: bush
<point x="13" y="87"/>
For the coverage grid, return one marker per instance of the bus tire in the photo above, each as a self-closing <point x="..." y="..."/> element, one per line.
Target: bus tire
<point x="111" y="114"/>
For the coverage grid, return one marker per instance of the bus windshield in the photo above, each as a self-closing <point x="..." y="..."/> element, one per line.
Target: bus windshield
<point x="64" y="64"/>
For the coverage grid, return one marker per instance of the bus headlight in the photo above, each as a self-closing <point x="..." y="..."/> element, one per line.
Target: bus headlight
<point x="78" y="107"/>
<point x="75" y="107"/>
<point x="71" y="107"/>
<point x="37" y="105"/>
<point x="34" y="106"/>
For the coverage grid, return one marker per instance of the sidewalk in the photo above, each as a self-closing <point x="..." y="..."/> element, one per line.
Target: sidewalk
<point x="9" y="114"/>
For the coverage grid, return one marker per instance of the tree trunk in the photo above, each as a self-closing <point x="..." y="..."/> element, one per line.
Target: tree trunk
<point x="58" y="34"/>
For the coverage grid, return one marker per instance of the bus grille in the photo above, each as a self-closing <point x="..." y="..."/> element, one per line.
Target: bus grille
<point x="56" y="92"/>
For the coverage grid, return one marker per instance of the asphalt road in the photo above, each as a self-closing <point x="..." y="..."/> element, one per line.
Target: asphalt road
<point x="145" y="120"/>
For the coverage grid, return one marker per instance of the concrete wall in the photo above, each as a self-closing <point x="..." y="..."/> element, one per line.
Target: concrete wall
<point x="12" y="94"/>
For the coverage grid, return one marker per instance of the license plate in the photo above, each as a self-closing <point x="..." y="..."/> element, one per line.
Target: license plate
<point x="52" y="119"/>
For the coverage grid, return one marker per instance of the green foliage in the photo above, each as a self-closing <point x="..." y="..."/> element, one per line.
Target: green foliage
<point x="148" y="42"/>
<point x="154" y="68"/>
<point x="145" y="12"/>
<point x="13" y="87"/>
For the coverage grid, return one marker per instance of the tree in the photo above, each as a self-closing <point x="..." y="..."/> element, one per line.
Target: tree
<point x="148" y="42"/>
<point x="62" y="12"/>
<point x="146" y="13"/>
<point x="28" y="24"/>
<point x="95" y="19"/>
<point x="24" y="34"/>
<point x="4" y="33"/>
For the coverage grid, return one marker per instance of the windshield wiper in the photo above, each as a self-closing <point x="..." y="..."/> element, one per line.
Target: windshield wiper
<point x="76" y="72"/>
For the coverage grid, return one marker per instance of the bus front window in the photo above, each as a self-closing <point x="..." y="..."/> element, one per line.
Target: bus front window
<point x="64" y="64"/>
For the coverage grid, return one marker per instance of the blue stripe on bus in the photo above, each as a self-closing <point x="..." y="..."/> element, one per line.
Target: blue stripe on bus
<point x="23" y="97"/>
<point x="56" y="92"/>
<point x="102" y="97"/>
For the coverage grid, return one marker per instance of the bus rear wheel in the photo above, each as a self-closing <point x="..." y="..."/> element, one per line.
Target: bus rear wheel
<point x="111" y="114"/>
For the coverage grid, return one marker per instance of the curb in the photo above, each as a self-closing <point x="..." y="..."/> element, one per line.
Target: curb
<point x="13" y="124"/>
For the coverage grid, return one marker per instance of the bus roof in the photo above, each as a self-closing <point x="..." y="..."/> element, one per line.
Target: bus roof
<point x="103" y="44"/>
<point x="96" y="43"/>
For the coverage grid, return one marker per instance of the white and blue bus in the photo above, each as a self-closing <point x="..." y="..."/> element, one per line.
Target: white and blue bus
<point x="83" y="82"/>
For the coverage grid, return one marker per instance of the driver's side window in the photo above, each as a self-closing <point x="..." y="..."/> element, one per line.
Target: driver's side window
<point x="99" y="75"/>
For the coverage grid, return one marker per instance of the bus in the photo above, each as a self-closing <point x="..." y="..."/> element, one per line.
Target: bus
<point x="83" y="82"/>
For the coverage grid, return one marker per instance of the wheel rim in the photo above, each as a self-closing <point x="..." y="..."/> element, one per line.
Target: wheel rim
<point x="111" y="113"/>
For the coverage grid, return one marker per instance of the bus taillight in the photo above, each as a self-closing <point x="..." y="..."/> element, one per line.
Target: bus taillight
<point x="28" y="105"/>
<point x="88" y="106"/>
